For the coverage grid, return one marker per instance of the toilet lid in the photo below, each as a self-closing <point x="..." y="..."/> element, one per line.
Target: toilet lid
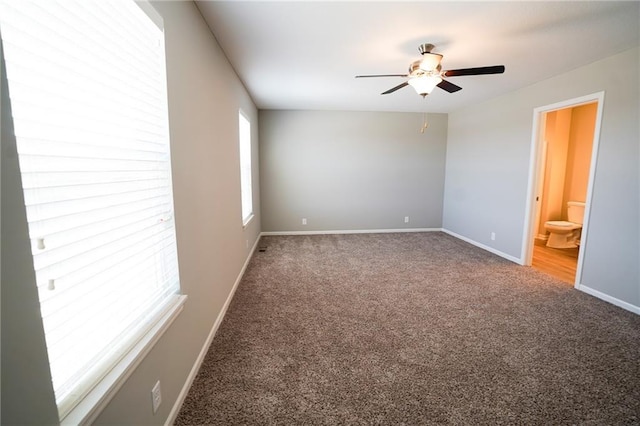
<point x="561" y="223"/>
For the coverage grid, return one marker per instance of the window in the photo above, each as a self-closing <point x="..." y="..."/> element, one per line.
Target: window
<point x="87" y="89"/>
<point x="245" y="168"/>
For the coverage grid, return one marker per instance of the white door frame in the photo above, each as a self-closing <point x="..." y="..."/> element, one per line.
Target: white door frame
<point x="535" y="171"/>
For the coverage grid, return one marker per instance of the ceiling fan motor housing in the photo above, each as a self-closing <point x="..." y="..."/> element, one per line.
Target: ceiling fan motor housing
<point x="425" y="48"/>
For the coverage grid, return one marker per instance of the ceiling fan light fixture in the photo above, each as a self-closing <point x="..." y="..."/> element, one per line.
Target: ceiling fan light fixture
<point x="423" y="85"/>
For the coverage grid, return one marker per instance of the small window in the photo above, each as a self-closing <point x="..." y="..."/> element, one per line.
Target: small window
<point x="245" y="168"/>
<point x="87" y="88"/>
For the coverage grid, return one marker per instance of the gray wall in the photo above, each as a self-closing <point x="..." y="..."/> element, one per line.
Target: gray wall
<point x="488" y="165"/>
<point x="351" y="170"/>
<point x="204" y="97"/>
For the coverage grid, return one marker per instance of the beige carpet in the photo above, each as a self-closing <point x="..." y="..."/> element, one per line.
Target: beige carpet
<point x="415" y="328"/>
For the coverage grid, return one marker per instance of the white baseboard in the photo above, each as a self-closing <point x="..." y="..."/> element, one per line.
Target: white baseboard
<point x="352" y="231"/>
<point x="484" y="247"/>
<point x="205" y="348"/>
<point x="614" y="301"/>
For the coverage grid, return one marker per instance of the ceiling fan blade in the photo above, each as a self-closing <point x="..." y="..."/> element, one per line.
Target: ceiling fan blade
<point x="393" y="89"/>
<point x="382" y="75"/>
<point x="495" y="69"/>
<point x="448" y="86"/>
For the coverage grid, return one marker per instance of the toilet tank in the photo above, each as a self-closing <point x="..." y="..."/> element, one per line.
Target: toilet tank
<point x="575" y="211"/>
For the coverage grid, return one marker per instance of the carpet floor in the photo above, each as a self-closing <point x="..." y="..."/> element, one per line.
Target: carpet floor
<point x="412" y="328"/>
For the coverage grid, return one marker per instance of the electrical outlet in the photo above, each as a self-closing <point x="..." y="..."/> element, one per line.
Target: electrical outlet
<point x="156" y="397"/>
<point x="493" y="236"/>
<point x="406" y="219"/>
<point x="304" y="220"/>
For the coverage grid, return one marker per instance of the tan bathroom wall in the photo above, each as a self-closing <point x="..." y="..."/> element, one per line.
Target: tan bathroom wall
<point x="557" y="132"/>
<point x="583" y="121"/>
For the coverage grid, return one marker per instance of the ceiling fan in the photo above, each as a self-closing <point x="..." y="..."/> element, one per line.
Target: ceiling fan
<point x="426" y="73"/>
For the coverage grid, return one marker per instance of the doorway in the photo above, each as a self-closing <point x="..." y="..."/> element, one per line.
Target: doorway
<point x="563" y="156"/>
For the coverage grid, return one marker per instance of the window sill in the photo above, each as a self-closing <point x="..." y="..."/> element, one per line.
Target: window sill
<point x="248" y="221"/>
<point x="92" y="405"/>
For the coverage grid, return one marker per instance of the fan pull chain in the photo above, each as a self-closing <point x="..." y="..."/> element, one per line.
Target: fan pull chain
<point x="425" y="124"/>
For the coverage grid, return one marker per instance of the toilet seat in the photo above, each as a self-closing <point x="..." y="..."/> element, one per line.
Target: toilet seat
<point x="563" y="224"/>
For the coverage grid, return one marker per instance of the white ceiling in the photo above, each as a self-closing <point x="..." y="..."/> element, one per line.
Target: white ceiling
<point x="304" y="55"/>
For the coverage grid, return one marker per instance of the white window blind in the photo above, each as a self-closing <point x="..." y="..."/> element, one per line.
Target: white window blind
<point x="245" y="167"/>
<point x="87" y="88"/>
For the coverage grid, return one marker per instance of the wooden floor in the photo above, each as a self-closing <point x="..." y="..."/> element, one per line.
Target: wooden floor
<point x="560" y="263"/>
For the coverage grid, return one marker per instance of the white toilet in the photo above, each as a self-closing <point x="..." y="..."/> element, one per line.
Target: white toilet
<point x="566" y="234"/>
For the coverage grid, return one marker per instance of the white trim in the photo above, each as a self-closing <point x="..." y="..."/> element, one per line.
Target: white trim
<point x="352" y="231"/>
<point x="243" y="116"/>
<point x="535" y="153"/>
<point x="245" y="223"/>
<point x="205" y="348"/>
<point x="614" y="301"/>
<point x="584" y="235"/>
<point x="92" y="405"/>
<point x="534" y="170"/>
<point x="484" y="247"/>
<point x="151" y="13"/>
